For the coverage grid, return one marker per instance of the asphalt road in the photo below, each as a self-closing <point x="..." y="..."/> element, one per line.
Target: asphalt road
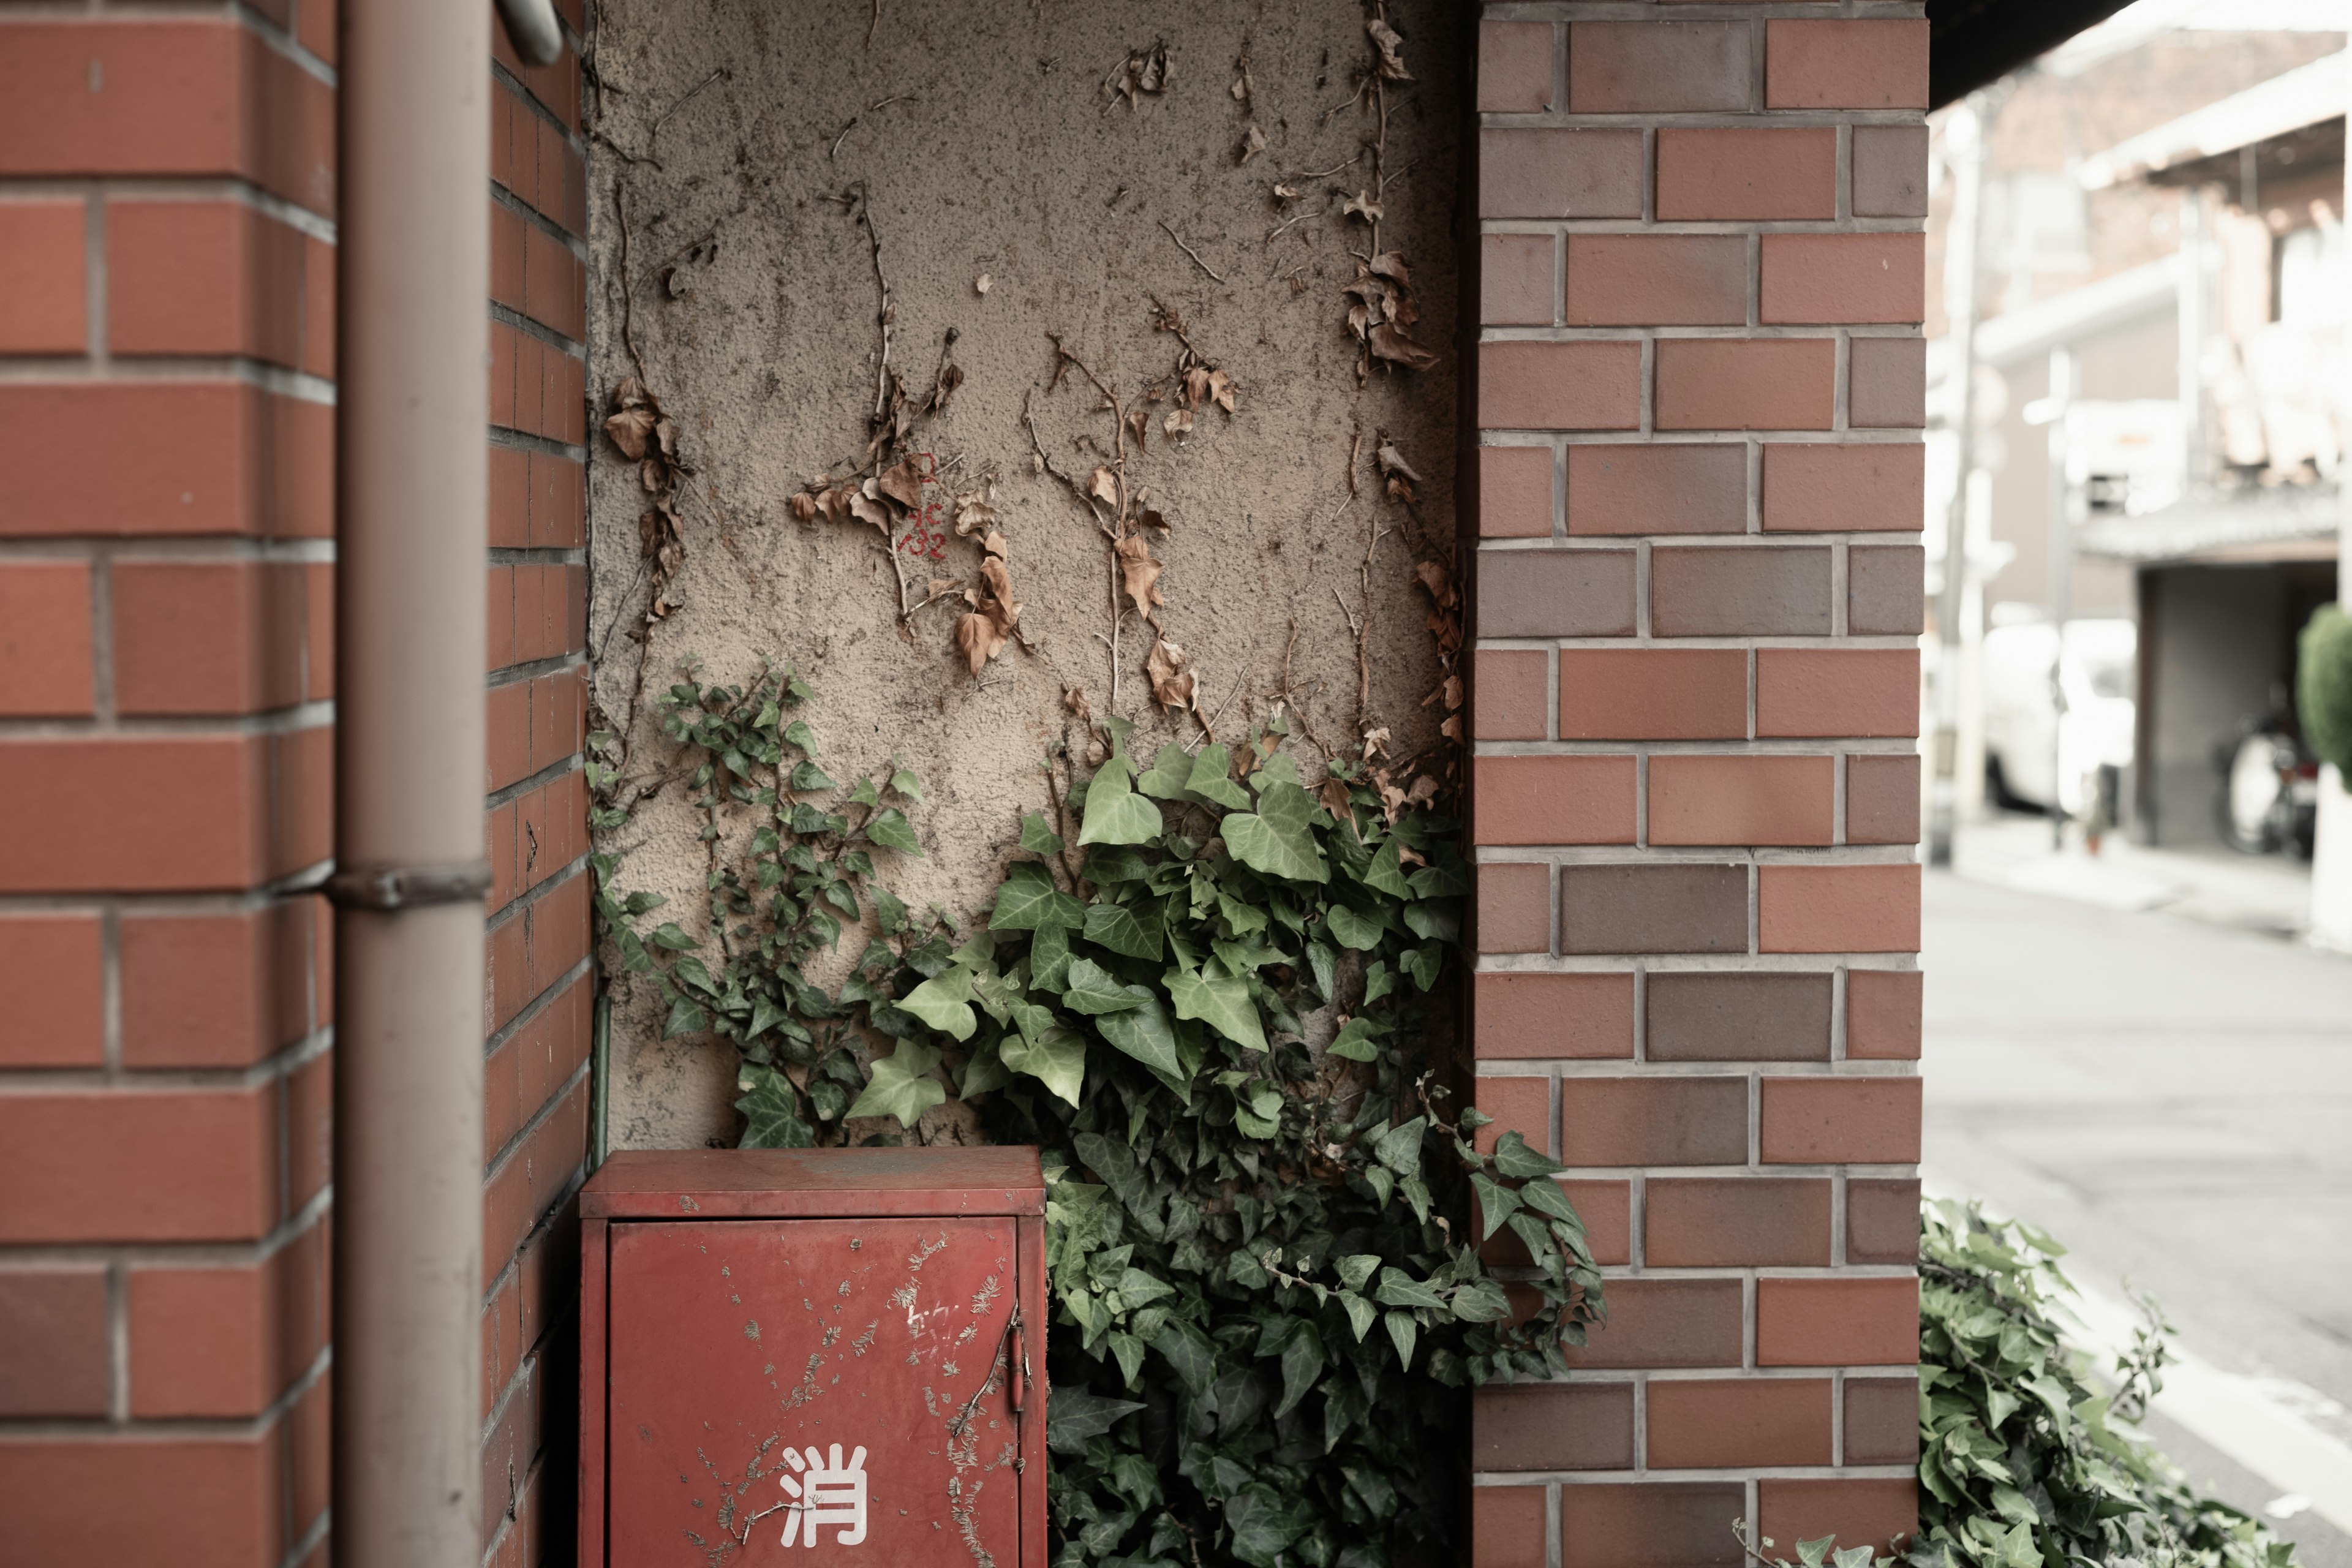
<point x="2172" y="1101"/>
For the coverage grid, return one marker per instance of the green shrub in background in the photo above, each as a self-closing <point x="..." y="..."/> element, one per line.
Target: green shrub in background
<point x="2322" y="687"/>
<point x="2022" y="1462"/>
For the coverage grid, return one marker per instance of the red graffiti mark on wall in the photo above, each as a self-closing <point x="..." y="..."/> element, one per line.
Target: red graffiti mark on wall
<point x="926" y="538"/>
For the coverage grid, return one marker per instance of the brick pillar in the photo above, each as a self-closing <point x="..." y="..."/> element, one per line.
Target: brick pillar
<point x="538" y="996"/>
<point x="167" y="186"/>
<point x="167" y="207"/>
<point x="1698" y="399"/>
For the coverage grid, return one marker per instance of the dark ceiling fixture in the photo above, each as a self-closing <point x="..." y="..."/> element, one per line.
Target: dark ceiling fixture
<point x="1974" y="43"/>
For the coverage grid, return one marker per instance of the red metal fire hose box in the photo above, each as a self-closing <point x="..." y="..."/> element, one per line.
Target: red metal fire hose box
<point x="814" y="1355"/>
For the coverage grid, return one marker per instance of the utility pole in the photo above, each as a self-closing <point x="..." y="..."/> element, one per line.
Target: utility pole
<point x="1966" y="136"/>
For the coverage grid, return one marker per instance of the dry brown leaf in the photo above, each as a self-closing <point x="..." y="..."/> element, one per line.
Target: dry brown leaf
<point x="1139" y="425"/>
<point x="903" y="483"/>
<point x="1434" y="576"/>
<point x="1220" y="390"/>
<point x="1241" y="84"/>
<point x="1196" y="387"/>
<point x="1407" y="855"/>
<point x="1140" y="575"/>
<point x="1073" y="697"/>
<point x="1252" y="145"/>
<point x="1178" y="423"/>
<point x="1395" y="347"/>
<point x="979" y="639"/>
<point x="972" y="514"/>
<point x="835" y="503"/>
<point x="803" y="507"/>
<point x="1393" y="461"/>
<point x="1103" y="485"/>
<point x="938" y="588"/>
<point x="1452" y="728"/>
<point x="1174" y="685"/>
<point x="1392" y="66"/>
<point x="1361" y="205"/>
<point x="1423" y="791"/>
<point x="993" y="544"/>
<point x="866" y="510"/>
<point x="1336" y="800"/>
<point x="1284" y="193"/>
<point x="1376" y="742"/>
<point x="1151" y="517"/>
<point x="1389" y="264"/>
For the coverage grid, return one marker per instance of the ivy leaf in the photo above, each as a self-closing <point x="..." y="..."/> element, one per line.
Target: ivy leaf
<point x="1114" y="814"/>
<point x="1146" y="1033"/>
<point x="685" y="1018"/>
<point x="1220" y="1002"/>
<point x="1212" y="778"/>
<point x="1049" y="958"/>
<point x="808" y="776"/>
<point x="1264" y="1523"/>
<point x="1513" y="1158"/>
<point x="1351" y="930"/>
<point x="1400" y="1148"/>
<point x="797" y="734"/>
<point x="984" y="1069"/>
<point x="1087" y="989"/>
<point x="1036" y="838"/>
<point x="1074" y="1418"/>
<point x="668" y="937"/>
<point x="1536" y="1235"/>
<point x="1354" y="1041"/>
<point x="1188" y="1350"/>
<point x="1386" y="873"/>
<point x="903" y="782"/>
<point x="1302" y="1364"/>
<point x="1136" y="933"/>
<point x="1423" y="964"/>
<point x="890" y="910"/>
<point x="771" y="1112"/>
<point x="1357" y="1268"/>
<point x="1278" y="838"/>
<point x="864" y="793"/>
<point x="1166" y="778"/>
<point x="1027" y="900"/>
<point x="1397" y="1289"/>
<point x="1401" y="1332"/>
<point x="1055" y="1057"/>
<point x="902" y="1085"/>
<point x="1545" y="1197"/>
<point x="1443" y="880"/>
<point x="944" y="1003"/>
<point x="889" y="828"/>
<point x="1481" y="1300"/>
<point x="1361" y="1314"/>
<point x="1496" y="1203"/>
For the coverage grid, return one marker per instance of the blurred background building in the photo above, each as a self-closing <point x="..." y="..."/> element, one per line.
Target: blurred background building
<point x="2158" y="417"/>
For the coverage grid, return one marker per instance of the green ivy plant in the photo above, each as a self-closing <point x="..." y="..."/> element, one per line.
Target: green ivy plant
<point x="1209" y="1011"/>
<point x="2023" y="1462"/>
<point x="809" y="859"/>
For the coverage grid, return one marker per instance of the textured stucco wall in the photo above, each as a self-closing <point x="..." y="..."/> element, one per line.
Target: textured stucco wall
<point x="1002" y="152"/>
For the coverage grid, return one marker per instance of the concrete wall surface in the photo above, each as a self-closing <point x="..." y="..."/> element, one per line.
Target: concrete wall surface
<point x="768" y="179"/>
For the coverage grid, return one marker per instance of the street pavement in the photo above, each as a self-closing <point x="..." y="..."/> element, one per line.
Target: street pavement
<point x="2172" y="1099"/>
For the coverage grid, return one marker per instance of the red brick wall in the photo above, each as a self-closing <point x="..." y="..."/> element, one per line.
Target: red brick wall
<point x="167" y="183"/>
<point x="1696" y="798"/>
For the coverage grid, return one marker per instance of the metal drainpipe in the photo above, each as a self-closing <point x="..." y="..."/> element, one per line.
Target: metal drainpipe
<point x="411" y="472"/>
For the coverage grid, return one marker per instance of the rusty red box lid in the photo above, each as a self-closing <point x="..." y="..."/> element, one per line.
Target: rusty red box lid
<point x="781" y="1184"/>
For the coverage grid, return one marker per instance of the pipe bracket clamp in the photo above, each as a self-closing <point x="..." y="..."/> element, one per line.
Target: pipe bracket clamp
<point x="386" y="889"/>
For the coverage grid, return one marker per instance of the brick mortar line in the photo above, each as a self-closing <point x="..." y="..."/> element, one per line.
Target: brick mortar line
<point x="1901" y="1171"/>
<point x="549" y="775"/>
<point x="574" y="243"/>
<point x="1655" y="120"/>
<point x="281" y="40"/>
<point x="317" y="1531"/>
<point x="527" y="899"/>
<point x="1899" y="963"/>
<point x="1777" y="747"/>
<point x="1530" y="1479"/>
<point x="513" y="1150"/>
<point x="1608" y="1377"/>
<point x="535" y="1008"/>
<point x="168" y="549"/>
<point x="1489" y="1069"/>
<point x="317" y="714"/>
<point x="513" y="1267"/>
<point x="508" y="316"/>
<point x="172" y="1253"/>
<point x="1594" y="436"/>
<point x="1733" y="331"/>
<point x="175" y="1428"/>
<point x="168" y="369"/>
<point x="533" y="668"/>
<point x="525" y="441"/>
<point x="1714" y="227"/>
<point x="1763" y="855"/>
<point x="22" y="1083"/>
<point x="1765" y="642"/>
<point x="538" y="555"/>
<point x="108" y="188"/>
<point x="1638" y="11"/>
<point x="573" y="139"/>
